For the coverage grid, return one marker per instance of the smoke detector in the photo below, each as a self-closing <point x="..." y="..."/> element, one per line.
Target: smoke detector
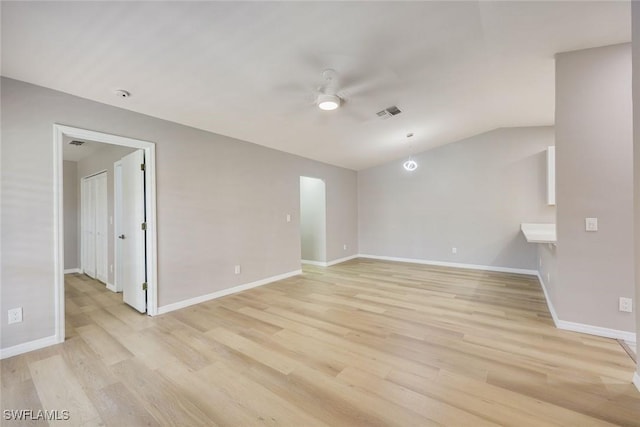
<point x="120" y="93"/>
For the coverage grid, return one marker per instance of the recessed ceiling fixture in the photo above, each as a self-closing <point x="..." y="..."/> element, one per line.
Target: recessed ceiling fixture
<point x="410" y="165"/>
<point x="121" y="93"/>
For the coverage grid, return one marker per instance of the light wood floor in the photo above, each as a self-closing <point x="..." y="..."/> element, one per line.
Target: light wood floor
<point x="363" y="343"/>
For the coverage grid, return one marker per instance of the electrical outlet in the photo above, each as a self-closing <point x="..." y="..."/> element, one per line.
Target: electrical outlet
<point x="237" y="269"/>
<point x="111" y="268"/>
<point x="288" y="217"/>
<point x="539" y="262"/>
<point x="591" y="224"/>
<point x="15" y="315"/>
<point x="625" y="304"/>
<point x="454" y="250"/>
<point x="344" y="246"/>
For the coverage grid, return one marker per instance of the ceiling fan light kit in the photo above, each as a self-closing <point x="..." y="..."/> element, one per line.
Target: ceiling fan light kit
<point x="328" y="102"/>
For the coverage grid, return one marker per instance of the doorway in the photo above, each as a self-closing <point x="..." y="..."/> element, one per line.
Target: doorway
<point x="146" y="172"/>
<point x="313" y="221"/>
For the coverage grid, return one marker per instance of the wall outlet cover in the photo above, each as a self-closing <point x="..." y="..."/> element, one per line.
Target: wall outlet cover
<point x="15" y="315"/>
<point x="625" y="304"/>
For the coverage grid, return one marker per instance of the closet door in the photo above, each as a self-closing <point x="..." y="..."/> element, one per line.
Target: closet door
<point x="88" y="227"/>
<point x="101" y="211"/>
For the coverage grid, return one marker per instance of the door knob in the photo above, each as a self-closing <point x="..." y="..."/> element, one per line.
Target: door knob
<point x="121" y="236"/>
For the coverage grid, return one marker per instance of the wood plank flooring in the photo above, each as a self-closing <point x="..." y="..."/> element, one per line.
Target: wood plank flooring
<point x="363" y="343"/>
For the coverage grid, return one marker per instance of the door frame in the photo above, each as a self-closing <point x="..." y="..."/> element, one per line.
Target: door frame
<point x="59" y="132"/>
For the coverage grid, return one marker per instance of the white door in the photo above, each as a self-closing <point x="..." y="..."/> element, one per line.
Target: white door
<point x="94" y="226"/>
<point x="117" y="225"/>
<point x="88" y="228"/>
<point x="101" y="214"/>
<point x="133" y="234"/>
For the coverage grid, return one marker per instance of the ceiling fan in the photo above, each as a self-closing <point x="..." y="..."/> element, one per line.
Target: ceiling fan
<point x="328" y="98"/>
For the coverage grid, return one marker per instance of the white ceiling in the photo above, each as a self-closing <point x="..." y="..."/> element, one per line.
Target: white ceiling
<point x="75" y="153"/>
<point x="249" y="69"/>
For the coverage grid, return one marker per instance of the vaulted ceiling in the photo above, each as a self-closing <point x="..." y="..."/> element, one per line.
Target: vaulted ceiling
<point x="250" y="70"/>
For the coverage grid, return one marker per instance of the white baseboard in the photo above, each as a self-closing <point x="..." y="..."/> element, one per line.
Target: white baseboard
<point x="596" y="330"/>
<point x="583" y="327"/>
<point x="552" y="310"/>
<point x="636" y="380"/>
<point x="28" y="346"/>
<point x="71" y="270"/>
<point x="341" y="260"/>
<point x="454" y="264"/>
<point x="111" y="287"/>
<point x="329" y="263"/>
<point x="317" y="263"/>
<point x="197" y="300"/>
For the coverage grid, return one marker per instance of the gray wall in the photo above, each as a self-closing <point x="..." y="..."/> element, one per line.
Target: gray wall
<point x="103" y="160"/>
<point x="71" y="215"/>
<point x="220" y="202"/>
<point x="635" y="14"/>
<point x="313" y="219"/>
<point x="472" y="195"/>
<point x="594" y="171"/>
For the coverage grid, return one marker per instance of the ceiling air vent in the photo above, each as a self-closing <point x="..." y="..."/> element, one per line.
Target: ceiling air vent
<point x="388" y="112"/>
<point x="77" y="143"/>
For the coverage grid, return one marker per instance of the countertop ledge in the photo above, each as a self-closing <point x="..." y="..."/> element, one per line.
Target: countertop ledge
<point x="539" y="233"/>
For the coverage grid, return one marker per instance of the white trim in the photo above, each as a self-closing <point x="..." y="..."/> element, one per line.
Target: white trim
<point x="59" y="131"/>
<point x="340" y="260"/>
<point x="596" y="330"/>
<point x="552" y="310"/>
<point x="636" y="380"/>
<point x="71" y="270"/>
<point x="309" y="262"/>
<point x="28" y="346"/>
<point x="224" y="292"/>
<point x="58" y="250"/>
<point x="454" y="264"/>
<point x="111" y="287"/>
<point x="582" y="327"/>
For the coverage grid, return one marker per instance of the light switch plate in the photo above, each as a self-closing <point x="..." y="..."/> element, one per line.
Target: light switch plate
<point x="591" y="224"/>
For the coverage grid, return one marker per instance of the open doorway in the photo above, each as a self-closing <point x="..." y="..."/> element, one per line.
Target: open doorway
<point x="313" y="221"/>
<point x="85" y="242"/>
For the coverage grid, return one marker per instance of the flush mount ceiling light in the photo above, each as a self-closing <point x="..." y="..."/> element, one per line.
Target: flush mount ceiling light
<point x="328" y="102"/>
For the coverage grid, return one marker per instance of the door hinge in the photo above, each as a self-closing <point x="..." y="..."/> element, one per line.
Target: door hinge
<point x="143" y="226"/>
<point x="141" y="166"/>
<point x="144" y="286"/>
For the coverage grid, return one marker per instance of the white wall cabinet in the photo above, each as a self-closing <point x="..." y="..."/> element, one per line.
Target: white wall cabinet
<point x="94" y="215"/>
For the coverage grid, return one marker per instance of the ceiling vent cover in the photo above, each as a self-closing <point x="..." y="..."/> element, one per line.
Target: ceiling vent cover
<point x="77" y="143"/>
<point x="389" y="112"/>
